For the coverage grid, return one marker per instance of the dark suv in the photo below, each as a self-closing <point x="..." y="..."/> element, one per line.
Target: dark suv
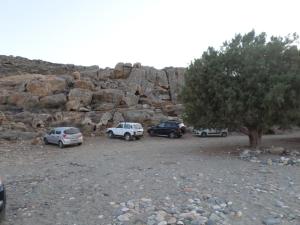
<point x="171" y="129"/>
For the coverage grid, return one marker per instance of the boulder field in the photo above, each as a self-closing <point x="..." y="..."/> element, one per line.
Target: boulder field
<point x="36" y="95"/>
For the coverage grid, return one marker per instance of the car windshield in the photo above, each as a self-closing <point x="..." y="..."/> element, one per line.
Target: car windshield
<point x="72" y="131"/>
<point x="137" y="126"/>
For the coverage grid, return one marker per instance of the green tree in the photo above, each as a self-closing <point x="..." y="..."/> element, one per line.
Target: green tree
<point x="250" y="83"/>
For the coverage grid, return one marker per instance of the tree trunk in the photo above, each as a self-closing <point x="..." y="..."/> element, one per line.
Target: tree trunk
<point x="254" y="137"/>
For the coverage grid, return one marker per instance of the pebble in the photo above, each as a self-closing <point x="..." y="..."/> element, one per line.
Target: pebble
<point x="163" y="223"/>
<point x="271" y="221"/>
<point x="124" y="217"/>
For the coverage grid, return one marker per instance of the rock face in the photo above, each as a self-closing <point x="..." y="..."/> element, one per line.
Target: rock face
<point x="85" y="96"/>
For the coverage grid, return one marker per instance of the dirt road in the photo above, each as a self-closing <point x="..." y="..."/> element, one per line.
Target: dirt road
<point x="150" y="181"/>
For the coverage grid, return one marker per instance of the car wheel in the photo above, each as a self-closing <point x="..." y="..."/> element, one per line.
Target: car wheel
<point x="127" y="137"/>
<point x="61" y="144"/>
<point x="110" y="134"/>
<point x="79" y="143"/>
<point x="203" y="134"/>
<point x="172" y="135"/>
<point x="183" y="130"/>
<point x="46" y="141"/>
<point x="224" y="134"/>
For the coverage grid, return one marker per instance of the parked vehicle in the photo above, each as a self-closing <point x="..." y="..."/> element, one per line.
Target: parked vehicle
<point x="2" y="200"/>
<point x="127" y="130"/>
<point x="169" y="128"/>
<point x="63" y="136"/>
<point x="204" y="132"/>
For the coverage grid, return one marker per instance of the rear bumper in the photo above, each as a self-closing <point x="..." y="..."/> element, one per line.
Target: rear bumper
<point x="72" y="141"/>
<point x="138" y="135"/>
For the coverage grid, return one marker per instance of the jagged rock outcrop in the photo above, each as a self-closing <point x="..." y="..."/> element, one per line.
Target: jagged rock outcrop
<point x="89" y="97"/>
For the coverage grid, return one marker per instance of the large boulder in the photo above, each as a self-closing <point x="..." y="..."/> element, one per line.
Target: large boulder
<point x="76" y="75"/>
<point x="24" y="117"/>
<point x="150" y="83"/>
<point x="173" y="110"/>
<point x="176" y="81"/>
<point x="68" y="119"/>
<point x="81" y="96"/>
<point x="53" y="101"/>
<point x="46" y="86"/>
<point x="73" y="105"/>
<point x="108" y="95"/>
<point x="23" y="100"/>
<point x="84" y="84"/>
<point x="106" y="106"/>
<point x="130" y="100"/>
<point x="41" y="120"/>
<point x="105" y="74"/>
<point x="105" y="118"/>
<point x="140" y="116"/>
<point x="118" y="117"/>
<point x="122" y="70"/>
<point x="19" y="126"/>
<point x="12" y="135"/>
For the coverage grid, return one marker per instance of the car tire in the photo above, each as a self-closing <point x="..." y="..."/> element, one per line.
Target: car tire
<point x="46" y="141"/>
<point x="61" y="144"/>
<point x="127" y="137"/>
<point x="224" y="134"/>
<point x="79" y="144"/>
<point x="203" y="134"/>
<point x="183" y="130"/>
<point x="172" y="135"/>
<point x="110" y="134"/>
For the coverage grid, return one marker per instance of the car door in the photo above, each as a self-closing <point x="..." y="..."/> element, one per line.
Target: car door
<point x="161" y="129"/>
<point x="211" y="131"/>
<point x="167" y="129"/>
<point x="57" y="136"/>
<point x="218" y="131"/>
<point x="119" y="130"/>
<point x="50" y="136"/>
<point x="127" y="128"/>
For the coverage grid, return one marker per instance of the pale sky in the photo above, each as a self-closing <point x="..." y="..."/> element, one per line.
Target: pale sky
<point x="157" y="33"/>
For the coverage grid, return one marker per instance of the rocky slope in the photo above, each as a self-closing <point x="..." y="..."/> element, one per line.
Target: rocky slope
<point x="35" y="94"/>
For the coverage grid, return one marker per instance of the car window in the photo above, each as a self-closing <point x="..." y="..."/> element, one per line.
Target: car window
<point x="127" y="126"/>
<point x="137" y="126"/>
<point x="51" y="132"/>
<point x="161" y="125"/>
<point x="72" y="131"/>
<point x="58" y="132"/>
<point x="120" y="125"/>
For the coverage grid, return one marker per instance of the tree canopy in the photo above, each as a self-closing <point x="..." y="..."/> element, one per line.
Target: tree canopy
<point x="251" y="82"/>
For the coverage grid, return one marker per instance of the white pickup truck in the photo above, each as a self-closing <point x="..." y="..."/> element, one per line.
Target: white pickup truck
<point x="127" y="130"/>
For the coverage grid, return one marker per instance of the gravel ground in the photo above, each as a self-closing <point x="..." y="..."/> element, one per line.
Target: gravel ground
<point x="151" y="181"/>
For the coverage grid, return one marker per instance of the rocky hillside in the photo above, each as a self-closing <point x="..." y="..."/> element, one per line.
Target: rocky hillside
<point x="35" y="94"/>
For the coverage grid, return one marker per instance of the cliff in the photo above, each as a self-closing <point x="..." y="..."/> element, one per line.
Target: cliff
<point x="35" y="94"/>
